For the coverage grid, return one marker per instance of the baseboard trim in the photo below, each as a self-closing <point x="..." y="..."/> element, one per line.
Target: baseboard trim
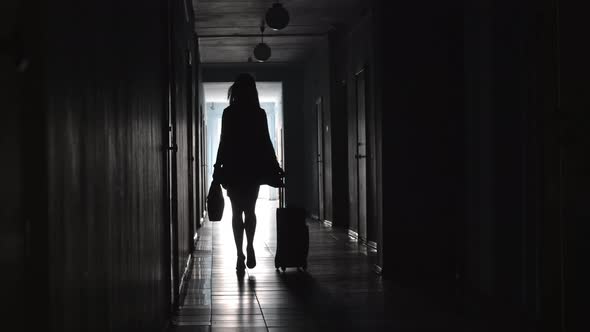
<point x="378" y="269"/>
<point x="197" y="235"/>
<point x="167" y="325"/>
<point x="355" y="236"/>
<point x="372" y="244"/>
<point x="315" y="217"/>
<point x="184" y="280"/>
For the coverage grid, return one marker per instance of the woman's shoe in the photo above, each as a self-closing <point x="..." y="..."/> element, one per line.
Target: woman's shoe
<point x="240" y="266"/>
<point x="251" y="262"/>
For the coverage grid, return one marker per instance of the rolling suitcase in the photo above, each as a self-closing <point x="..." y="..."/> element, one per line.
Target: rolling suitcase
<point x="292" y="236"/>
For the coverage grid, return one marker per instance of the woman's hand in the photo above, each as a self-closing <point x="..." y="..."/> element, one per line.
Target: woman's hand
<point x="217" y="174"/>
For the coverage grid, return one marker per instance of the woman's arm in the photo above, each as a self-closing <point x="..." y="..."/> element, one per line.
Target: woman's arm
<point x="268" y="147"/>
<point x="221" y="150"/>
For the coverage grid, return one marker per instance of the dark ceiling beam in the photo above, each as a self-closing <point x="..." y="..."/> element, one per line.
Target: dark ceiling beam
<point x="319" y="34"/>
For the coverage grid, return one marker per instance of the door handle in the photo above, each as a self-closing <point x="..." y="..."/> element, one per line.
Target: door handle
<point x="173" y="148"/>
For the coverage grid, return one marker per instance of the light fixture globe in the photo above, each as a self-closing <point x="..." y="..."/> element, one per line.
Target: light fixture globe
<point x="277" y="17"/>
<point x="262" y="52"/>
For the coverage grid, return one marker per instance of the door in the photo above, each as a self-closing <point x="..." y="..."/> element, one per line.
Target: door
<point x="202" y="128"/>
<point x="204" y="165"/>
<point x="171" y="188"/>
<point x="171" y="166"/>
<point x="320" y="157"/>
<point x="340" y="166"/>
<point x="190" y="99"/>
<point x="202" y="177"/>
<point x="361" y="154"/>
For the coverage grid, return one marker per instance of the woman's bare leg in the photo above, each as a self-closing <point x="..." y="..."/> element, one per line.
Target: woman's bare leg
<point x="250" y="224"/>
<point x="238" y="229"/>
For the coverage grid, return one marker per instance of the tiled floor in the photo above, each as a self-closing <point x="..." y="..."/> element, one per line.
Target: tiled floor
<point x="339" y="291"/>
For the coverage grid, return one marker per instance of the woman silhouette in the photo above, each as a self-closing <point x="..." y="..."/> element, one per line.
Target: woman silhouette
<point x="246" y="159"/>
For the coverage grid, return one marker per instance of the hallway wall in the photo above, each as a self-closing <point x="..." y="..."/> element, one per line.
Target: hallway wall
<point x="316" y="85"/>
<point x="499" y="149"/>
<point x="498" y="222"/>
<point x="422" y="142"/>
<point x="512" y="105"/>
<point x="88" y="237"/>
<point x="183" y="64"/>
<point x="107" y="231"/>
<point x="567" y="153"/>
<point x="352" y="50"/>
<point x="23" y="226"/>
<point x="466" y="94"/>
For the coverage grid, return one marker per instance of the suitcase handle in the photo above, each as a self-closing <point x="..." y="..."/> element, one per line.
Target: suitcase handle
<point x="282" y="194"/>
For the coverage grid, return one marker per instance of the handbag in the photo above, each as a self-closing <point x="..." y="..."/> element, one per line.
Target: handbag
<point x="215" y="202"/>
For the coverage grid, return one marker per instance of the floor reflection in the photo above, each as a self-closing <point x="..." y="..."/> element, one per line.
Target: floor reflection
<point x="338" y="292"/>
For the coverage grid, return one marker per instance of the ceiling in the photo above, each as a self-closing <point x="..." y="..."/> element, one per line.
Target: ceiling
<point x="228" y="30"/>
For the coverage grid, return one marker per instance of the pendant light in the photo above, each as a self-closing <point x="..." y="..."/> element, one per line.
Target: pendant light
<point x="277" y="16"/>
<point x="262" y="50"/>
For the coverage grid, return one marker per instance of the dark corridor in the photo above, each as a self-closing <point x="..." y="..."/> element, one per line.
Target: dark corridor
<point x="436" y="149"/>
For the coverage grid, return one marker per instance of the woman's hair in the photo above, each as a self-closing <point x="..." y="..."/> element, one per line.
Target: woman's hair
<point x="243" y="91"/>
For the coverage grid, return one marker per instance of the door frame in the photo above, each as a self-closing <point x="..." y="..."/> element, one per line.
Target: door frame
<point x="170" y="249"/>
<point x="190" y="104"/>
<point x="340" y="153"/>
<point x="360" y="155"/>
<point x="320" y="164"/>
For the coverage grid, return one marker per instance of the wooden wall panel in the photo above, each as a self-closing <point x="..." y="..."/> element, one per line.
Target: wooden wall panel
<point x="181" y="48"/>
<point x="107" y="230"/>
<point x="353" y="51"/>
<point x="567" y="161"/>
<point x="466" y="94"/>
<point x="423" y="142"/>
<point x="22" y="212"/>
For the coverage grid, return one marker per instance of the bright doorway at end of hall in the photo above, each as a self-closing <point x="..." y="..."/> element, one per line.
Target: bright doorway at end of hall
<point x="270" y="95"/>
